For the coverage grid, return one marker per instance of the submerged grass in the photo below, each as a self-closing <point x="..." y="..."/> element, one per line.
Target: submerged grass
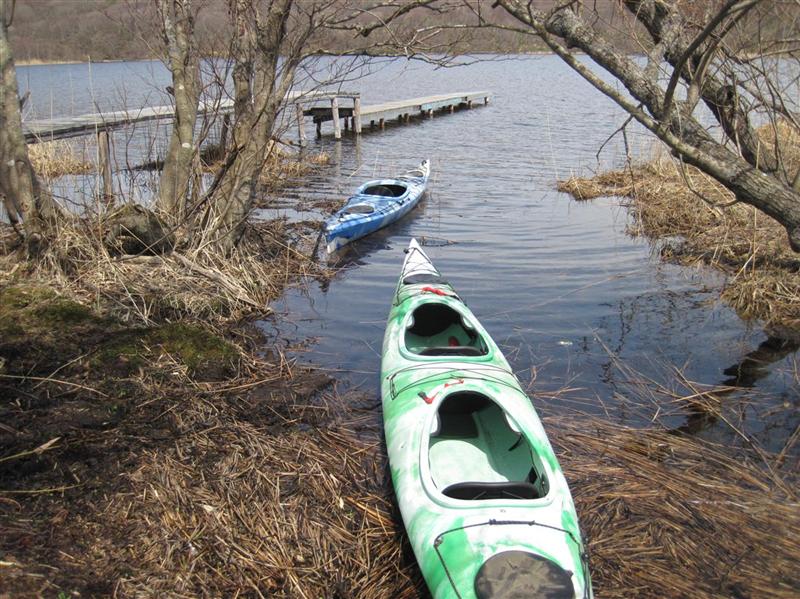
<point x="52" y="159"/>
<point x="281" y="168"/>
<point x="697" y="221"/>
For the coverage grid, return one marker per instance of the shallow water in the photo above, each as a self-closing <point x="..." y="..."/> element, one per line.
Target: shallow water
<point x="560" y="285"/>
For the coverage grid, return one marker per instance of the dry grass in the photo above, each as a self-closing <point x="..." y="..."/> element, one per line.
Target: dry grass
<point x="304" y="509"/>
<point x="666" y="514"/>
<point x="288" y="513"/>
<point x="280" y="168"/>
<point x="670" y="516"/>
<point x="53" y="159"/>
<point x="703" y="225"/>
<point x="301" y="507"/>
<point x="196" y="284"/>
<point x="616" y="183"/>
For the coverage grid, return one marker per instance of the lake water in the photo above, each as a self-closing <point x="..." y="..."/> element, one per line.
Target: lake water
<point x="581" y="309"/>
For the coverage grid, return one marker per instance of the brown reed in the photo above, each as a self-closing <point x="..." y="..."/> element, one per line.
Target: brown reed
<point x="52" y="159"/>
<point x="670" y="516"/>
<point x="695" y="221"/>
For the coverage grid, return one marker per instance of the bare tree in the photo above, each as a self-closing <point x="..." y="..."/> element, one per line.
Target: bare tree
<point x="25" y="199"/>
<point x="270" y="40"/>
<point x="719" y="52"/>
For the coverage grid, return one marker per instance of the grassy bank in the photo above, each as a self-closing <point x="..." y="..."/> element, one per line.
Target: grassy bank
<point x="693" y="220"/>
<point x="172" y="461"/>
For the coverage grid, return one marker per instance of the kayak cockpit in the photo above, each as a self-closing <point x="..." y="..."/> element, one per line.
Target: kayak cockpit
<point x="436" y="329"/>
<point x="384" y="190"/>
<point x="476" y="452"/>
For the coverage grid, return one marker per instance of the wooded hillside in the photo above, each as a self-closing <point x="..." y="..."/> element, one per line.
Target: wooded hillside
<point x="55" y="30"/>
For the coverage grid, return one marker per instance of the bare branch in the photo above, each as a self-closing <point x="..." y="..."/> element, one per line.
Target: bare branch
<point x="731" y="7"/>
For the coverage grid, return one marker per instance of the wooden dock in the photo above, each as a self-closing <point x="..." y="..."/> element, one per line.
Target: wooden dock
<point x="86" y="124"/>
<point x="399" y="110"/>
<point x="322" y="106"/>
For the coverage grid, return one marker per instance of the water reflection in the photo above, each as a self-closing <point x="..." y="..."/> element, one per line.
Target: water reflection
<point x="755" y="365"/>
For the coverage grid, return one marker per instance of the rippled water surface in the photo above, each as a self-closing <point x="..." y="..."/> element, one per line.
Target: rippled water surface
<point x="560" y="285"/>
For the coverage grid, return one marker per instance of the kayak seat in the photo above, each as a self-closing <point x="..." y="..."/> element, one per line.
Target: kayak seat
<point x="436" y="329"/>
<point x="385" y="191"/>
<point x="473" y="491"/>
<point x="452" y="350"/>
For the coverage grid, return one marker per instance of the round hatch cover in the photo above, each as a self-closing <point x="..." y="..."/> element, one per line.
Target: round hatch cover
<point x="522" y="575"/>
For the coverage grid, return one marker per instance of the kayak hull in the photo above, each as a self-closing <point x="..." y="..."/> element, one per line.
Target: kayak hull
<point x="376" y="204"/>
<point x="482" y="496"/>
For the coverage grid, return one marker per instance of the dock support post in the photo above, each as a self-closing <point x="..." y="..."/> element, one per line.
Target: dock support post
<point x="337" y="126"/>
<point x="105" y="162"/>
<point x="485" y="100"/>
<point x="223" y="134"/>
<point x="469" y="103"/>
<point x="452" y="108"/>
<point x="381" y="124"/>
<point x="407" y="117"/>
<point x="319" y="128"/>
<point x="357" y="115"/>
<point x="301" y="131"/>
<point x="430" y="113"/>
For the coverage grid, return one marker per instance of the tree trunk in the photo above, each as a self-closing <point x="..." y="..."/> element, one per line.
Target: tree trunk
<point x="19" y="185"/>
<point x="259" y="92"/>
<point x="178" y="27"/>
<point x="730" y="110"/>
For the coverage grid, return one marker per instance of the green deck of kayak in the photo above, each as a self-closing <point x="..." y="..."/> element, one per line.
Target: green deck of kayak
<point x="464" y="420"/>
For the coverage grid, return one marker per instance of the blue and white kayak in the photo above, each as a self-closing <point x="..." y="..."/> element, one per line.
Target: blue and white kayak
<point x="375" y="205"/>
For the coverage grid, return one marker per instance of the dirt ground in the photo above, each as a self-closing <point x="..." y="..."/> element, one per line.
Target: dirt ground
<point x="168" y="461"/>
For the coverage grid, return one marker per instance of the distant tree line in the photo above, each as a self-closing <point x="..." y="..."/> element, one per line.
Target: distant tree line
<point x="54" y="30"/>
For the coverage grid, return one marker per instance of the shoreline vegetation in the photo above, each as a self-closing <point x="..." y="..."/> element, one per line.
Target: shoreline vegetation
<point x="692" y="220"/>
<point x="158" y="444"/>
<point x="53" y="159"/>
<point x="33" y="62"/>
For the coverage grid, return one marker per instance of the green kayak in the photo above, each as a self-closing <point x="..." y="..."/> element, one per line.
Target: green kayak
<point x="484" y="502"/>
